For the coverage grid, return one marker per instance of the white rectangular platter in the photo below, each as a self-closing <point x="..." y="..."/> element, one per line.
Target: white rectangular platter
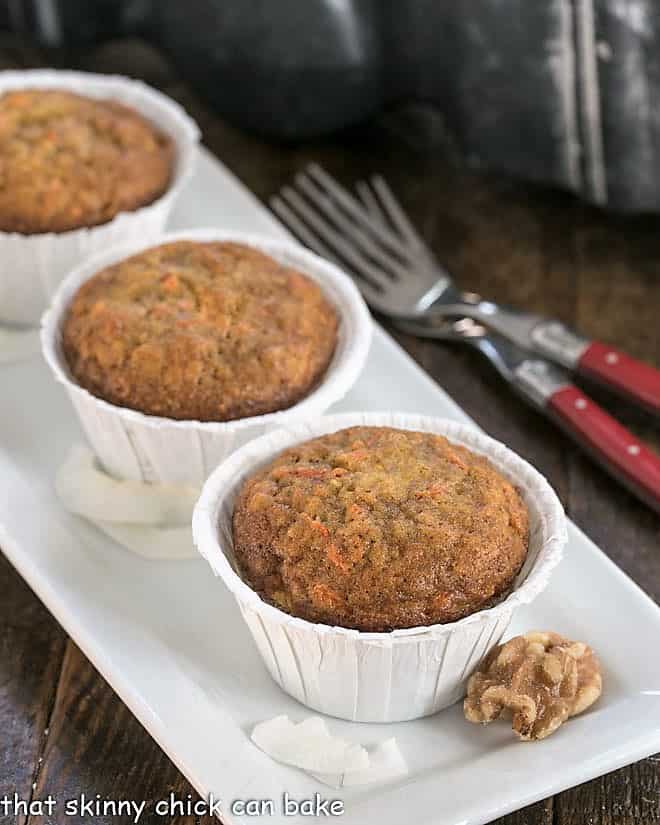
<point x="171" y="642"/>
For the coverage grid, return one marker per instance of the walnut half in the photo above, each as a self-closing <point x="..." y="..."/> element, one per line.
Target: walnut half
<point x="540" y="679"/>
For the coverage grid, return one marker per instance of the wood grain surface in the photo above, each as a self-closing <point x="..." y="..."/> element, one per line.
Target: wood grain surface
<point x="62" y="729"/>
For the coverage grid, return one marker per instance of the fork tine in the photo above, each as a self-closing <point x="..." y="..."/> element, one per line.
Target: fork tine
<point x="395" y="212"/>
<point x="355" y="209"/>
<point x="361" y="266"/>
<point x="369" y="200"/>
<point x="299" y="229"/>
<point x="348" y="227"/>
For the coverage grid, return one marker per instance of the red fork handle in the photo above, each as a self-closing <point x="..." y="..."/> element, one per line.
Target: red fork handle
<point x="639" y="382"/>
<point x="611" y="444"/>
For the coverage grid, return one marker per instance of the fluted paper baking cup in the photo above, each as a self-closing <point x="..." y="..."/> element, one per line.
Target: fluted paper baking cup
<point x="376" y="677"/>
<point x="132" y="445"/>
<point x="34" y="265"/>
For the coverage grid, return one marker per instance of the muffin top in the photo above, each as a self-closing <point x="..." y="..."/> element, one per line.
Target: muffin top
<point x="199" y="331"/>
<point x="68" y="161"/>
<point x="376" y="528"/>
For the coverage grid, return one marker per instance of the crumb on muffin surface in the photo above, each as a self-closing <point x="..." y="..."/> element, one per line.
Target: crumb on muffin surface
<point x="69" y="161"/>
<point x="206" y="331"/>
<point x="376" y="528"/>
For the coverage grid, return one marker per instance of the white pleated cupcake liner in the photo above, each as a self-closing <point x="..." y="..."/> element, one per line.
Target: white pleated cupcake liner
<point x="132" y="445"/>
<point x="376" y="677"/>
<point x="34" y="265"/>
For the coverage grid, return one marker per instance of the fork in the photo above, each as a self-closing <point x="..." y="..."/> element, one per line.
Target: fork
<point x="398" y="276"/>
<point x="548" y="388"/>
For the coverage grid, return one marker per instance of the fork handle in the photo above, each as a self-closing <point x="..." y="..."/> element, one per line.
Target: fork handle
<point x="637" y="381"/>
<point x="608" y="442"/>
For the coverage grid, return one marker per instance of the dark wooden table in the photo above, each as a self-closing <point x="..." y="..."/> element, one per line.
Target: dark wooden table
<point x="63" y="730"/>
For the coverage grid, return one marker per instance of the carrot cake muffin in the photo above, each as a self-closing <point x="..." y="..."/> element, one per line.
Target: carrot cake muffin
<point x="376" y="528"/>
<point x="68" y="161"/>
<point x="199" y="331"/>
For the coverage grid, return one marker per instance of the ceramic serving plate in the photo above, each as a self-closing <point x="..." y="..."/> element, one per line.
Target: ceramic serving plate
<point x="169" y="639"/>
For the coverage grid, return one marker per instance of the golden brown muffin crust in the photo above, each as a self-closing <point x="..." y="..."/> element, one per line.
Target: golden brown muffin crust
<point x="376" y="528"/>
<point x="199" y="331"/>
<point x="68" y="161"/>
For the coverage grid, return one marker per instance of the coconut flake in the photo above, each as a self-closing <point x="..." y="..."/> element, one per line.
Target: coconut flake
<point x="85" y="489"/>
<point x="173" y="543"/>
<point x="151" y="520"/>
<point x="386" y="763"/>
<point x="309" y="745"/>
